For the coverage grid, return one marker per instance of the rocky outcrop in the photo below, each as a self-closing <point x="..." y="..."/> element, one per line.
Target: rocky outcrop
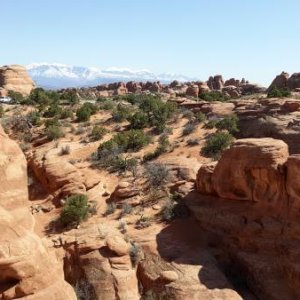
<point x="216" y="82"/>
<point x="250" y="170"/>
<point x="58" y="177"/>
<point x="27" y="268"/>
<point x="284" y="81"/>
<point x="252" y="213"/>
<point x="193" y="91"/>
<point x="15" y="78"/>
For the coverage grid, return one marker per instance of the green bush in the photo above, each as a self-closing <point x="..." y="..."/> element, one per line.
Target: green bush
<point x="98" y="133"/>
<point x="53" y="111"/>
<point x="75" y="210"/>
<point x="107" y="105"/>
<point x="84" y="113"/>
<point x="131" y="140"/>
<point x="52" y="122"/>
<point x="199" y="117"/>
<point x="34" y="118"/>
<point x="229" y="123"/>
<point x="157" y="111"/>
<point x="54" y="132"/>
<point x="66" y="113"/>
<point x="216" y="143"/>
<point x="16" y="96"/>
<point x="121" y="113"/>
<point x="70" y="96"/>
<point x="161" y="148"/>
<point x="139" y="120"/>
<point x="213" y="96"/>
<point x="276" y="92"/>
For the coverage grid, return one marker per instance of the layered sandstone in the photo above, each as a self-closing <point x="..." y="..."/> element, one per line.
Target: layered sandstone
<point x="27" y="268"/>
<point x="249" y="204"/>
<point x="16" y="78"/>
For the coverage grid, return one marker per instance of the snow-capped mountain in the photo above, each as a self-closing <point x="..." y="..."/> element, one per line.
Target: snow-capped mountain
<point x="60" y="76"/>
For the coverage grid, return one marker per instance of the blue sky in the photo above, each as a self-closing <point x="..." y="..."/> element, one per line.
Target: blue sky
<point x="254" y="39"/>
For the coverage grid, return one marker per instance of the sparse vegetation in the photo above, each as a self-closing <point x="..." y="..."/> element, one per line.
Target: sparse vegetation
<point x="213" y="96"/>
<point x="34" y="118"/>
<point x="276" y="92"/>
<point x="65" y="150"/>
<point x="75" y="210"/>
<point x="98" y="133"/>
<point x="189" y="128"/>
<point x="84" y="113"/>
<point x="216" y="143"/>
<point x="54" y="132"/>
<point x="111" y="208"/>
<point x="157" y="174"/>
<point x="228" y="123"/>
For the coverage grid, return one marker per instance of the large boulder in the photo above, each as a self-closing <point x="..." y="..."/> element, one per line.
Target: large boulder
<point x="280" y="81"/>
<point x="294" y="81"/>
<point x="193" y="91"/>
<point x="16" y="78"/>
<point x="216" y="82"/>
<point x="250" y="170"/>
<point x="27" y="268"/>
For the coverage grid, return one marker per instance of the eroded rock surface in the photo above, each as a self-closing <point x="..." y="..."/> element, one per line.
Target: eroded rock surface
<point x="16" y="78"/>
<point x="249" y="204"/>
<point x="28" y="270"/>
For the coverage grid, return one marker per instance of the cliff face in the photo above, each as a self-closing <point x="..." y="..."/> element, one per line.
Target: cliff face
<point x="27" y="268"/>
<point x="249" y="203"/>
<point x="15" y="78"/>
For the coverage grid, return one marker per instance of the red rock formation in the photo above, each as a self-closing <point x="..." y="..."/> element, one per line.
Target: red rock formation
<point x="27" y="268"/>
<point x="15" y="78"/>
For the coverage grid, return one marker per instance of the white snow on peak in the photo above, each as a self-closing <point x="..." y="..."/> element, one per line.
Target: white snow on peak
<point x="59" y="75"/>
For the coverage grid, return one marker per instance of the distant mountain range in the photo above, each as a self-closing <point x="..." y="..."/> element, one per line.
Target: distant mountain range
<point x="56" y="76"/>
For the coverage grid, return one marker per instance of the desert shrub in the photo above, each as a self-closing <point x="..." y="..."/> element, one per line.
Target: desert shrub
<point x="121" y="113"/>
<point x="66" y="113"/>
<point x="213" y="96"/>
<point x="216" y="143"/>
<point x="199" y="117"/>
<point x="111" y="208"/>
<point x="41" y="97"/>
<point x="211" y="124"/>
<point x="229" y="123"/>
<point x="189" y="128"/>
<point x="52" y="122"/>
<point x="16" y="96"/>
<point x="161" y="148"/>
<point x="131" y="140"/>
<point x="134" y="253"/>
<point x="120" y="164"/>
<point x="193" y="142"/>
<point x="157" y="111"/>
<point x="70" y="96"/>
<point x="126" y="210"/>
<point x="75" y="210"/>
<point x="101" y="99"/>
<point x="156" y="173"/>
<point x="1" y="111"/>
<point x="98" y="133"/>
<point x="143" y="222"/>
<point x="84" y="113"/>
<point x="188" y="114"/>
<point x="276" y="92"/>
<point x="139" y="120"/>
<point x="34" y="117"/>
<point x="168" y="211"/>
<point x="65" y="150"/>
<point x="54" y="132"/>
<point x="53" y="111"/>
<point x="107" y="105"/>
